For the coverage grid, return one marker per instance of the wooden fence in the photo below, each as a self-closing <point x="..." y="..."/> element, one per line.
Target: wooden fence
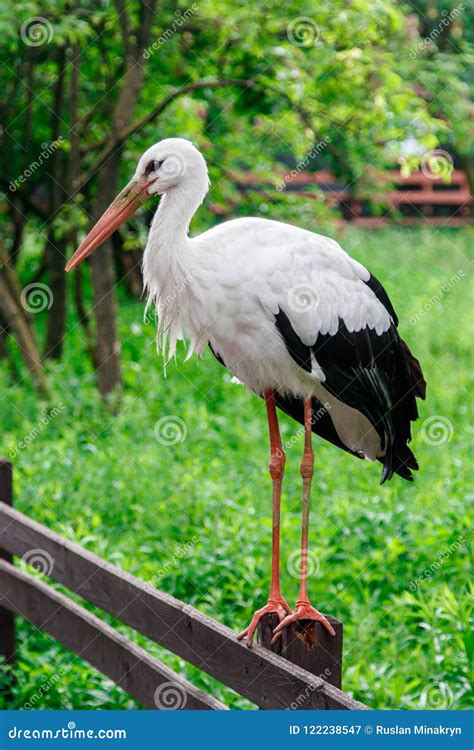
<point x="263" y="677"/>
<point x="416" y="198"/>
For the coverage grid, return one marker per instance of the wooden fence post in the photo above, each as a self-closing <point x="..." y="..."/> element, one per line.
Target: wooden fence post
<point x="310" y="647"/>
<point x="7" y="618"/>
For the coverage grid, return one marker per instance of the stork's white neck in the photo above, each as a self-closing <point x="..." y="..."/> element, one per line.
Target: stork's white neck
<point x="169" y="261"/>
<point x="168" y="241"/>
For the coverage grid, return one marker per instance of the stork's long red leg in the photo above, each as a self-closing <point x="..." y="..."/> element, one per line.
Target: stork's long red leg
<point x="276" y="602"/>
<point x="304" y="610"/>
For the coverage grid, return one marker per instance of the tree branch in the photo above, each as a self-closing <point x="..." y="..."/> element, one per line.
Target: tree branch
<point x="109" y="147"/>
<point x="124" y="25"/>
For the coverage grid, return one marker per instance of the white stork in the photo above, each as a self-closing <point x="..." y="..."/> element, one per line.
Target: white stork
<point x="291" y="315"/>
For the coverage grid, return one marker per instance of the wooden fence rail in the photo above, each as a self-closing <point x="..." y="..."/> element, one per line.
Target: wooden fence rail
<point x="128" y="665"/>
<point x="417" y="197"/>
<point x="265" y="678"/>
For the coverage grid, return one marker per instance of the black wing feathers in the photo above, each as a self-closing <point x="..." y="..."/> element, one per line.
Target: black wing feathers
<point x="373" y="373"/>
<point x="299" y="351"/>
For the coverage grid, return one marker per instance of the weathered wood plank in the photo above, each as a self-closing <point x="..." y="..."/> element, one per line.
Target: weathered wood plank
<point x="259" y="675"/>
<point x="142" y="676"/>
<point x="7" y="619"/>
<point x="323" y="658"/>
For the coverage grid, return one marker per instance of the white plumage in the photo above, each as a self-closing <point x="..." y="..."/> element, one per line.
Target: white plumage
<point x="225" y="287"/>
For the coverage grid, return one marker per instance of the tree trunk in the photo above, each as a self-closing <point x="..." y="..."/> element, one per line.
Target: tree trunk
<point x="4" y="350"/>
<point x="56" y="327"/>
<point x="107" y="349"/>
<point x="24" y="335"/>
<point x="16" y="320"/>
<point x="102" y="261"/>
<point x="54" y="257"/>
<point x="129" y="266"/>
<point x="84" y="317"/>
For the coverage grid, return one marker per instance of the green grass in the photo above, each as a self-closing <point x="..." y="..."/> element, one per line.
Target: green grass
<point x="393" y="560"/>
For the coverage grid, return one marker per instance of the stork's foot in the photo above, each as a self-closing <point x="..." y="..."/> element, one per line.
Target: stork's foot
<point x="303" y="611"/>
<point x="276" y="605"/>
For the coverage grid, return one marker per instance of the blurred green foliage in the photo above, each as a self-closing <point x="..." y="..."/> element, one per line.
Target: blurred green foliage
<point x="352" y="72"/>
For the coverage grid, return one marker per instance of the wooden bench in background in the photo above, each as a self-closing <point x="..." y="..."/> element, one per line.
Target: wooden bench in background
<point x="415" y="199"/>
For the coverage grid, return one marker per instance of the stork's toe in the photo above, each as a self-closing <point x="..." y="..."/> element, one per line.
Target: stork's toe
<point x="275" y="605"/>
<point x="303" y="611"/>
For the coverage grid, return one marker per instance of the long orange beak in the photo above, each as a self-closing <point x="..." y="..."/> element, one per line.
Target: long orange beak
<point x="124" y="205"/>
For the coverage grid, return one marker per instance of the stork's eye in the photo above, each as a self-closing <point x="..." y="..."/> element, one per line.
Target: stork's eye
<point x="153" y="166"/>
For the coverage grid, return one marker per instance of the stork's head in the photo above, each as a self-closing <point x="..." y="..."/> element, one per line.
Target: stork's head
<point x="170" y="165"/>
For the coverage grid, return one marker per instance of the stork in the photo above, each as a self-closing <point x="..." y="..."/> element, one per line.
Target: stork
<point x="291" y="315"/>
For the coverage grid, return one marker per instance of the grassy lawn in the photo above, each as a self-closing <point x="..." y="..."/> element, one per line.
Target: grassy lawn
<point x="391" y="562"/>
